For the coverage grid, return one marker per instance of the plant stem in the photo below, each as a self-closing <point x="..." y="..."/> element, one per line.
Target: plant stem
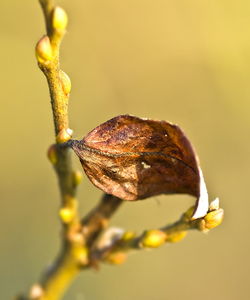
<point x="116" y="250"/>
<point x="80" y="247"/>
<point x="97" y="220"/>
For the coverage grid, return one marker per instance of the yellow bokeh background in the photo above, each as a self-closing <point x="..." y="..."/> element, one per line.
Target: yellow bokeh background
<point x="183" y="61"/>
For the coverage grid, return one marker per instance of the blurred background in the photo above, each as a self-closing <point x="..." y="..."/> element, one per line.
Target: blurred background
<point x="183" y="61"/>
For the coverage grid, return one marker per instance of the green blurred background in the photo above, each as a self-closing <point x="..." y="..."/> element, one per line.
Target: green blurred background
<point x="183" y="61"/>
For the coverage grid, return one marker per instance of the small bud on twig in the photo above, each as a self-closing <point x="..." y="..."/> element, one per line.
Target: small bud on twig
<point x="70" y="131"/>
<point x="116" y="258"/>
<point x="153" y="239"/>
<point x="215" y="204"/>
<point x="66" y="215"/>
<point x="63" y="136"/>
<point x="66" y="83"/>
<point x="214" y="218"/>
<point x="36" y="292"/>
<point x="59" y="18"/>
<point x="77" y="177"/>
<point x="128" y="235"/>
<point x="44" y="51"/>
<point x="176" y="236"/>
<point x="82" y="255"/>
<point x="52" y="156"/>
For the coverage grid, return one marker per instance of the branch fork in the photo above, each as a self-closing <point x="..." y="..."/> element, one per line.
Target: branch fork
<point x="88" y="241"/>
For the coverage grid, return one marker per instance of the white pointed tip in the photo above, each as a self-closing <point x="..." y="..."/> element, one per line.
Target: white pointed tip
<point x="202" y="204"/>
<point x="215" y="204"/>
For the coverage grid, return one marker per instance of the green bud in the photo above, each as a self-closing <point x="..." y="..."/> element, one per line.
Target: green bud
<point x="128" y="235"/>
<point x="214" y="218"/>
<point x="176" y="236"/>
<point x="66" y="83"/>
<point x="36" y="292"/>
<point x="66" y="215"/>
<point x="215" y="204"/>
<point x="52" y="155"/>
<point x="63" y="136"/>
<point x="153" y="239"/>
<point x="59" y="18"/>
<point x="77" y="177"/>
<point x="44" y="51"/>
<point x="116" y="258"/>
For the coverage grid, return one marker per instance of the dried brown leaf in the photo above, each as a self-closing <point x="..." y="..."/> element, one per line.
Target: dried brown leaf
<point x="133" y="158"/>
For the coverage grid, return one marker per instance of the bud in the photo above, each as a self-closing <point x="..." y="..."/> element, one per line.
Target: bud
<point x="59" y="18"/>
<point x="63" y="136"/>
<point x="75" y="237"/>
<point x="214" y="218"/>
<point x="215" y="204"/>
<point x="128" y="235"/>
<point x="44" y="51"/>
<point x="153" y="239"/>
<point x="110" y="236"/>
<point x="82" y="255"/>
<point x="36" y="292"/>
<point x="176" y="236"/>
<point x="77" y="177"/>
<point x="116" y="258"/>
<point x="70" y="131"/>
<point x="66" y="214"/>
<point x="52" y="155"/>
<point x="65" y="81"/>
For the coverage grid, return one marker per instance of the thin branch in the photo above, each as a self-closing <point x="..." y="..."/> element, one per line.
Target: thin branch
<point x="76" y="236"/>
<point x="74" y="254"/>
<point x="113" y="248"/>
<point x="97" y="220"/>
<point x="84" y="243"/>
<point x="47" y="7"/>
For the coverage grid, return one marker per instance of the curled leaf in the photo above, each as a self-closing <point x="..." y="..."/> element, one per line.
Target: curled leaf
<point x="133" y="158"/>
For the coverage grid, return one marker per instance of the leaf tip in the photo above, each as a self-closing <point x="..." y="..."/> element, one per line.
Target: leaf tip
<point x="202" y="203"/>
